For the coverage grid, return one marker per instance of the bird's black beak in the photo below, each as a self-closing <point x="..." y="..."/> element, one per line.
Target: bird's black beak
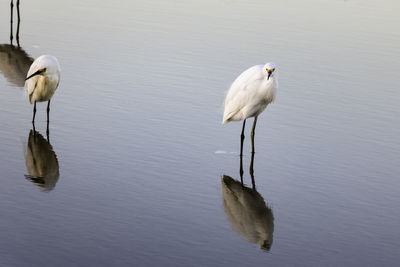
<point x="36" y="73"/>
<point x="269" y="74"/>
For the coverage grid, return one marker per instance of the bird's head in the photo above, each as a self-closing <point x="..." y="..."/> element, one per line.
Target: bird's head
<point x="269" y="69"/>
<point x="45" y="65"/>
<point x="40" y="71"/>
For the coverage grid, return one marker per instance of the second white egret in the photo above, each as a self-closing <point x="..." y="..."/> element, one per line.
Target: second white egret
<point x="42" y="81"/>
<point x="249" y="95"/>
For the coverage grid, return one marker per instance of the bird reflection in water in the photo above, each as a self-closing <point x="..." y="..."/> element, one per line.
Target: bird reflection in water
<point x="247" y="211"/>
<point x="14" y="61"/>
<point x="14" y="64"/>
<point x="41" y="162"/>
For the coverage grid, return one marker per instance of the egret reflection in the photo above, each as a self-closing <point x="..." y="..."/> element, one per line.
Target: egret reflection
<point x="14" y="61"/>
<point x="41" y="162"/>
<point x="247" y="212"/>
<point x="14" y="64"/>
<point x="246" y="209"/>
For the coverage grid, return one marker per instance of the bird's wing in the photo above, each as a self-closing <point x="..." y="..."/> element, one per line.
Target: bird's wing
<point x="31" y="85"/>
<point x="243" y="80"/>
<point x="32" y="82"/>
<point x="241" y="89"/>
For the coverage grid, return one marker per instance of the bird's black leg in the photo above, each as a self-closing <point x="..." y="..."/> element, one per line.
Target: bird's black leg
<point x="241" y="152"/>
<point x="19" y="20"/>
<point x="34" y="112"/>
<point x="253" y="132"/>
<point x="11" y="22"/>
<point x="48" y="112"/>
<point x="242" y="138"/>
<point x="252" y="171"/>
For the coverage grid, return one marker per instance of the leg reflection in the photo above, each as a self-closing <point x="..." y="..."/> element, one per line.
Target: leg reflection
<point x="19" y="20"/>
<point x="252" y="171"/>
<point x="241" y="168"/>
<point x="11" y="22"/>
<point x="48" y="133"/>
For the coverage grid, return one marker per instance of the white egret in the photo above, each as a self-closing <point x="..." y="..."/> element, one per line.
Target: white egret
<point x="42" y="81"/>
<point x="249" y="95"/>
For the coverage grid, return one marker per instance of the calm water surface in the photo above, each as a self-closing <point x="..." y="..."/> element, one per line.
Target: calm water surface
<point x="140" y="170"/>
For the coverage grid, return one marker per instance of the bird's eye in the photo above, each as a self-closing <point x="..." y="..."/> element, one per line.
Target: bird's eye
<point x="267" y="69"/>
<point x="273" y="70"/>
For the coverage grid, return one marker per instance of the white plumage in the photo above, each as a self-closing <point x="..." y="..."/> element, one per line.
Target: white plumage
<point x="42" y="80"/>
<point x="250" y="94"/>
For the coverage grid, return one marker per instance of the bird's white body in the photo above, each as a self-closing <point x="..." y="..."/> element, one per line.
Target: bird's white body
<point x="250" y="93"/>
<point x="42" y="87"/>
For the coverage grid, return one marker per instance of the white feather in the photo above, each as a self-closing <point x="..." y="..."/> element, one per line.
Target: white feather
<point x="43" y="86"/>
<point x="250" y="93"/>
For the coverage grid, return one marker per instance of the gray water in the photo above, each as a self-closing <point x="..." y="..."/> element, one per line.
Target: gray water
<point x="142" y="173"/>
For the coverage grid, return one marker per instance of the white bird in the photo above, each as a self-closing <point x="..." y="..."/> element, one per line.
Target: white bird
<point x="42" y="81"/>
<point x="249" y="95"/>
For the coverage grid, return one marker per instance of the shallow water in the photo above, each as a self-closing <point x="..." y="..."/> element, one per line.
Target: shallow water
<point x="141" y="152"/>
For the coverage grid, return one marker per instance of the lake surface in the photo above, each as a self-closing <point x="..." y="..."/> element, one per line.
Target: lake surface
<point x="141" y="171"/>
